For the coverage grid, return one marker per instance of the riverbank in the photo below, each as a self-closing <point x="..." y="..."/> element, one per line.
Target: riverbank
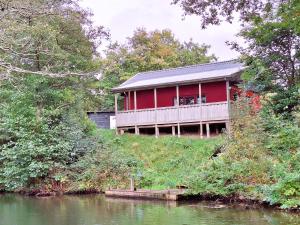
<point x="164" y="163"/>
<point x="214" y="202"/>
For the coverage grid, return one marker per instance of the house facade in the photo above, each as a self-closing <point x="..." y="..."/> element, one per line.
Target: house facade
<point x="192" y="100"/>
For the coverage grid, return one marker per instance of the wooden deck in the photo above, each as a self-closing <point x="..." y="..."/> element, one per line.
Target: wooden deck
<point x="168" y="195"/>
<point x="171" y="115"/>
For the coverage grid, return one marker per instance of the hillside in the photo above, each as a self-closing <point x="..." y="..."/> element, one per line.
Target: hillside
<point x="164" y="162"/>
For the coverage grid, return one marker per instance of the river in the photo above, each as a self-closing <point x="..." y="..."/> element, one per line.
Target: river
<point x="99" y="210"/>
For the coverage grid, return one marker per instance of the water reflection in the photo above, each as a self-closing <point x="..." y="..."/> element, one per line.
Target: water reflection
<point x="98" y="210"/>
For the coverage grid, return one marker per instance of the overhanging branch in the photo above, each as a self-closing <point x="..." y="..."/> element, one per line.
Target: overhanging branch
<point x="10" y="68"/>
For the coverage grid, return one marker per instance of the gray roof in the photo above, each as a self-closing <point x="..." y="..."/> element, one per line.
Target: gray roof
<point x="188" y="74"/>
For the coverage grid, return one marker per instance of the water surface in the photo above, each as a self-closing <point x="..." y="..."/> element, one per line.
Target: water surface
<point x="98" y="210"/>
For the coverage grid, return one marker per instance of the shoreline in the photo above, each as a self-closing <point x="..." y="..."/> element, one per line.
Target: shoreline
<point x="227" y="202"/>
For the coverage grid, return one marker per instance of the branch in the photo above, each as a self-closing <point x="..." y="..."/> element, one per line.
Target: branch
<point x="9" y="69"/>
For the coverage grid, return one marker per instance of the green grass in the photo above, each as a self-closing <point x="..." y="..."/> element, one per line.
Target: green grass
<point x="163" y="162"/>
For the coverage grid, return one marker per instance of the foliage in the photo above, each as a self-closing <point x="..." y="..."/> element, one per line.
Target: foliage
<point x="50" y="38"/>
<point x="102" y="168"/>
<point x="260" y="160"/>
<point x="147" y="51"/>
<point x="43" y="128"/>
<point x="215" y="11"/>
<point x="43" y="123"/>
<point x="271" y="33"/>
<point x="273" y="48"/>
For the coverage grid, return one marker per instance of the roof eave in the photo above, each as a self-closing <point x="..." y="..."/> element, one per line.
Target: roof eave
<point x="150" y="86"/>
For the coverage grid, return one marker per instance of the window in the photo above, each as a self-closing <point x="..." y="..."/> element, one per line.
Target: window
<point x="187" y="100"/>
<point x="203" y="99"/>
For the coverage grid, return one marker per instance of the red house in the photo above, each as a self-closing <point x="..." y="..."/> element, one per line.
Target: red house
<point x="185" y="100"/>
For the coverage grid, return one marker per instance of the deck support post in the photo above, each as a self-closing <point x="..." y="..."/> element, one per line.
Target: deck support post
<point x="136" y="130"/>
<point x="207" y="130"/>
<point x="156" y="131"/>
<point x="201" y="130"/>
<point x="173" y="131"/>
<point x="178" y="127"/>
<point x="227" y="127"/>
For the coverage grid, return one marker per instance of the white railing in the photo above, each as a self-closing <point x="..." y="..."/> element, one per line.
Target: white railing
<point x="181" y="114"/>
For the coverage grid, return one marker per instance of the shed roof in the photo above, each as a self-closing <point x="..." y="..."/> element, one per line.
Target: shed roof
<point x="187" y="74"/>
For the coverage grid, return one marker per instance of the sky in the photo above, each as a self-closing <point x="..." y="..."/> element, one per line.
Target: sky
<point x="122" y="17"/>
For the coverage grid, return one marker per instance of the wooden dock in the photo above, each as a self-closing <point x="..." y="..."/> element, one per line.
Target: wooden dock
<point x="168" y="195"/>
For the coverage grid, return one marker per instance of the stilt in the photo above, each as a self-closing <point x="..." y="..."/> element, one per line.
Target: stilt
<point x="178" y="130"/>
<point x="137" y="131"/>
<point x="227" y="127"/>
<point x="173" y="131"/>
<point x="207" y="130"/>
<point x="156" y="131"/>
<point x="201" y="130"/>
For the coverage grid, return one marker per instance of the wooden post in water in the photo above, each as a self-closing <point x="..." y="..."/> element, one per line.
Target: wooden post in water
<point x="132" y="184"/>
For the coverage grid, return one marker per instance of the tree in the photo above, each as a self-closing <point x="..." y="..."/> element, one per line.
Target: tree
<point x="271" y="30"/>
<point x="146" y="51"/>
<point x="213" y="12"/>
<point x="47" y="37"/>
<point x="47" y="51"/>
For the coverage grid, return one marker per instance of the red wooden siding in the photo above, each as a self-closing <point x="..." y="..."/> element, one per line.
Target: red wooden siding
<point x="165" y="96"/>
<point x="145" y="99"/>
<point x="214" y="92"/>
<point x="189" y="91"/>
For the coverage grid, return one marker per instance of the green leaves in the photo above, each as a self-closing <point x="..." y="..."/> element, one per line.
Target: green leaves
<point x="147" y="51"/>
<point x="43" y="127"/>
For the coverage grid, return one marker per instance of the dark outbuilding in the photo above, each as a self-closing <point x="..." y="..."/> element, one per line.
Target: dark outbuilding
<point x="102" y="119"/>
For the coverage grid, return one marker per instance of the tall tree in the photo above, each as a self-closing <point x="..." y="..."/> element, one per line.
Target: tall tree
<point x="47" y="47"/>
<point x="47" y="37"/>
<point x="146" y="51"/>
<point x="271" y="30"/>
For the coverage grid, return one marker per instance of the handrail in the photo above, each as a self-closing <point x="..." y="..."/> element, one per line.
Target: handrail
<point x="173" y="107"/>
